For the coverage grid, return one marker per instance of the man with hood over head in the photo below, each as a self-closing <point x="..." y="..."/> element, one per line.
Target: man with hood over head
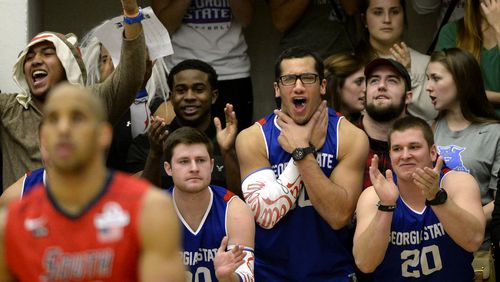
<point x="51" y="58"/>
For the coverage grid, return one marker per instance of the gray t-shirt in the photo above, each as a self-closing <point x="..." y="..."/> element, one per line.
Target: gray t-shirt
<point x="475" y="149"/>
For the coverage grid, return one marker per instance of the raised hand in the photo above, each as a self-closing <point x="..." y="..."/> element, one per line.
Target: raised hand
<point x="226" y="136"/>
<point x="157" y="134"/>
<point x="401" y="53"/>
<point x="384" y="186"/>
<point x="226" y="262"/>
<point x="320" y="129"/>
<point x="294" y="135"/>
<point x="130" y="7"/>
<point x="491" y="11"/>
<point x="427" y="179"/>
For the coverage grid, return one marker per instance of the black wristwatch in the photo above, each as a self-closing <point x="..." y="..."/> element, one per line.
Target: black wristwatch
<point x="299" y="153"/>
<point x="439" y="199"/>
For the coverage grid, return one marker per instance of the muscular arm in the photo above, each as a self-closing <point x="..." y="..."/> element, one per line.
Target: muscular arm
<point x="335" y="197"/>
<point x="372" y="232"/>
<point x="242" y="11"/>
<point x="240" y="231"/>
<point x="268" y="199"/>
<point x="285" y="13"/>
<point x="170" y="12"/>
<point x="462" y="215"/>
<point x="159" y="235"/>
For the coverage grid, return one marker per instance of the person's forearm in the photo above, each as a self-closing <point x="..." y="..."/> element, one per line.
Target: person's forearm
<point x="285" y="13"/>
<point x="131" y="31"/>
<point x="118" y="91"/>
<point x="170" y="12"/>
<point x="269" y="198"/>
<point x="242" y="11"/>
<point x="370" y="246"/>
<point x="323" y="192"/>
<point x="493" y="97"/>
<point x="488" y="210"/>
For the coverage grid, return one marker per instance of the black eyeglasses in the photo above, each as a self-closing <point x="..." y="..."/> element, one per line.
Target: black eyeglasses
<point x="291" y="79"/>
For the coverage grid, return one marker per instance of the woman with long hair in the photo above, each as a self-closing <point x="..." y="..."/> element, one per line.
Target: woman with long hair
<point x="384" y="22"/>
<point x="467" y="129"/>
<point x="479" y="33"/>
<point x="346" y="87"/>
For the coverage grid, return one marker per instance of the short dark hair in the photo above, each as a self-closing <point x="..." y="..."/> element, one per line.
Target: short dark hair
<point x="193" y="64"/>
<point x="298" y="53"/>
<point x="411" y="122"/>
<point x="188" y="136"/>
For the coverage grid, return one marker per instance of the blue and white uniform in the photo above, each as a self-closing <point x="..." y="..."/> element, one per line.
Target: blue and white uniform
<point x="32" y="179"/>
<point x="302" y="246"/>
<point x="201" y="245"/>
<point x="419" y="249"/>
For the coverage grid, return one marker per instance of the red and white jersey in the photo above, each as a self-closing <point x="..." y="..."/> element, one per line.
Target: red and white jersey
<point x="43" y="243"/>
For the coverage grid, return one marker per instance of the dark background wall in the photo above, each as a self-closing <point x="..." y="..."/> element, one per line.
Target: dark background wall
<point x="79" y="16"/>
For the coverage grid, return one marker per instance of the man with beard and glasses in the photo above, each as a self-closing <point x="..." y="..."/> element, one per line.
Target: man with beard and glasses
<point x="388" y="93"/>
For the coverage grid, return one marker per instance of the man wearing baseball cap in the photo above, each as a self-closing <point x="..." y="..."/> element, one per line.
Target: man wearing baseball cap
<point x="388" y="93"/>
<point x="49" y="59"/>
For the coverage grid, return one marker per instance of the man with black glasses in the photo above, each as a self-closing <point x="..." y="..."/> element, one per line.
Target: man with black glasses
<point x="302" y="163"/>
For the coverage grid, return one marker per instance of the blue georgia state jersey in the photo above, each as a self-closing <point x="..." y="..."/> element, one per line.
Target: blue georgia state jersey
<point x="419" y="249"/>
<point x="201" y="245"/>
<point x="302" y="246"/>
<point x="32" y="179"/>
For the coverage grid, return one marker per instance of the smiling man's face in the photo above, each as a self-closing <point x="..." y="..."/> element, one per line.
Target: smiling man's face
<point x="42" y="69"/>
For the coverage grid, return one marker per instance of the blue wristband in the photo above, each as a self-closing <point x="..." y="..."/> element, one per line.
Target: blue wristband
<point x="135" y="19"/>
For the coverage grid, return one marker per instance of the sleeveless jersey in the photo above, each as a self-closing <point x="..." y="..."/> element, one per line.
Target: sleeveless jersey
<point x="200" y="246"/>
<point x="419" y="249"/>
<point x="100" y="244"/>
<point x="302" y="246"/>
<point x="32" y="179"/>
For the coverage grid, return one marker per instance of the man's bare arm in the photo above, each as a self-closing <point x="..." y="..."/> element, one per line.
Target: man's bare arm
<point x="160" y="238"/>
<point x="334" y="197"/>
<point x="462" y="215"/>
<point x="241" y="233"/>
<point x="372" y="232"/>
<point x="170" y="12"/>
<point x="13" y="192"/>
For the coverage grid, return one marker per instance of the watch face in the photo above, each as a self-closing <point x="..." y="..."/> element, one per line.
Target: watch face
<point x="298" y="154"/>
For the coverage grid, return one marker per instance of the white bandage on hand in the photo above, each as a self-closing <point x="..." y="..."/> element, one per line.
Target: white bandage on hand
<point x="270" y="198"/>
<point x="245" y="270"/>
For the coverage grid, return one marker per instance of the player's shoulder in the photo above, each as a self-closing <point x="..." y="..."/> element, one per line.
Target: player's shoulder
<point x="249" y="137"/>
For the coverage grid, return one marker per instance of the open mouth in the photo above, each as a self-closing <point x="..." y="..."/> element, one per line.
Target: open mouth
<point x="38" y="76"/>
<point x="299" y="103"/>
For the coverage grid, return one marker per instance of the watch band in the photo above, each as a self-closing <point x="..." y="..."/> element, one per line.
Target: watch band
<point x="386" y="208"/>
<point x="439" y="199"/>
<point x="133" y="20"/>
